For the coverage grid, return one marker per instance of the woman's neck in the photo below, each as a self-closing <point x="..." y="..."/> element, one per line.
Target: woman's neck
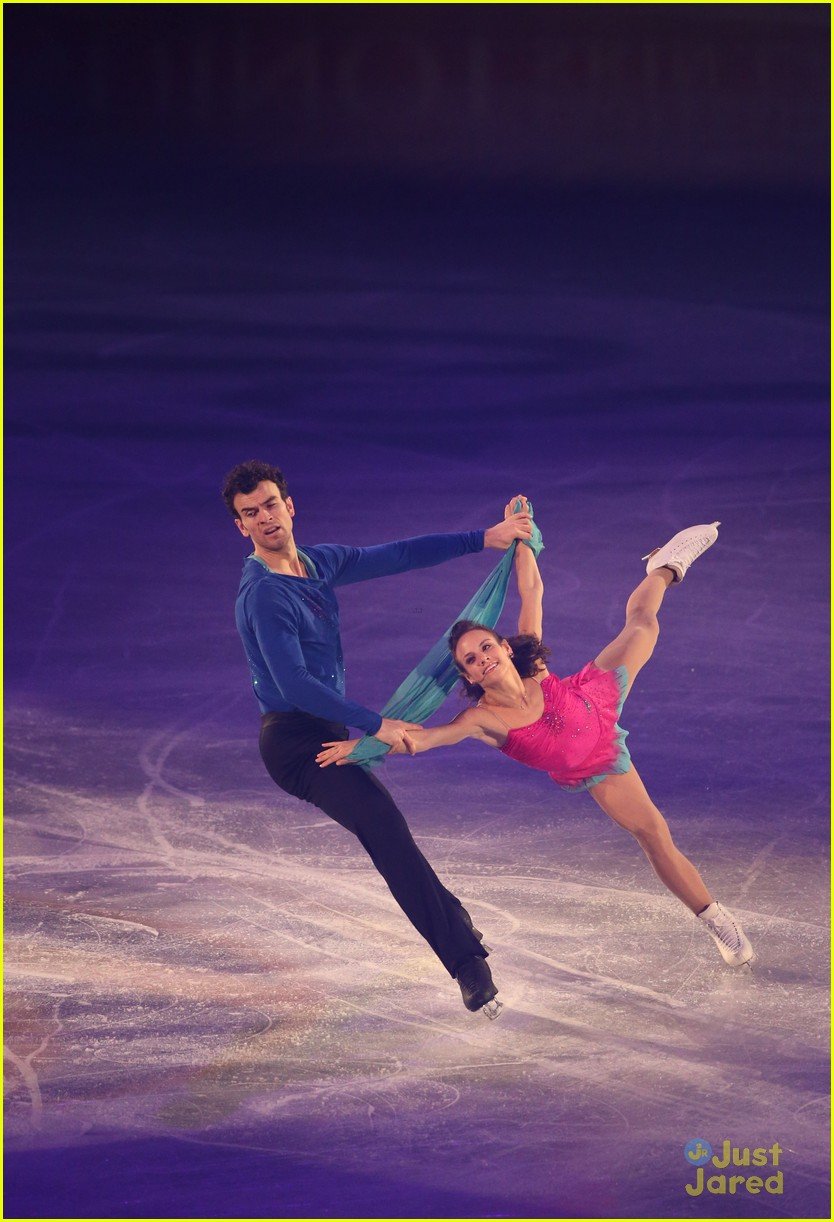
<point x="509" y="693"/>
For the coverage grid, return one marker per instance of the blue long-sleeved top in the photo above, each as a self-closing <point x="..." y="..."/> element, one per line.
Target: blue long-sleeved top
<point x="290" y="625"/>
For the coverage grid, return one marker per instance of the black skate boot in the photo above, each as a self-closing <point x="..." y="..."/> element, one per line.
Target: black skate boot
<point x="477" y="986"/>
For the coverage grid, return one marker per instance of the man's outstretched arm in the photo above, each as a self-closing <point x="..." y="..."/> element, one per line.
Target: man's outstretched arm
<point x="384" y="559"/>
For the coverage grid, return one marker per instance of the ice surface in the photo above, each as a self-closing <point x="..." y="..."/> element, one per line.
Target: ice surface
<point x="214" y="1006"/>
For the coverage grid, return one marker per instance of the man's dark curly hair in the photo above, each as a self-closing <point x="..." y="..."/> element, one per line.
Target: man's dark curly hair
<point x="528" y="653"/>
<point x="245" y="478"/>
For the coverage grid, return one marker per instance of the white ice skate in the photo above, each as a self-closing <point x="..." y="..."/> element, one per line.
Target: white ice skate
<point x="728" y="935"/>
<point x="680" y="551"/>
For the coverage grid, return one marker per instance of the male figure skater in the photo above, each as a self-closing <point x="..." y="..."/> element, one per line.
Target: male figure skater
<point x="288" y="618"/>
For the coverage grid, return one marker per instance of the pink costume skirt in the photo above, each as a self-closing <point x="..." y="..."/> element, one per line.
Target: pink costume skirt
<point x="577" y="739"/>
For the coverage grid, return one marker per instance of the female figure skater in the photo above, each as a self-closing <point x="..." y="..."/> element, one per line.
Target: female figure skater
<point x="568" y="727"/>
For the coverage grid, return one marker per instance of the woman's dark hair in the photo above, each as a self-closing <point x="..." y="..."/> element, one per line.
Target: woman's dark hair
<point x="528" y="653"/>
<point x="245" y="477"/>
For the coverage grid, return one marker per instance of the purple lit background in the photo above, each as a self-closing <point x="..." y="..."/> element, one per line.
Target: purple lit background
<point x="424" y="258"/>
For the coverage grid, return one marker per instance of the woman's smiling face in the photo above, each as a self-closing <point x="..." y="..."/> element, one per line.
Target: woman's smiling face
<point x="482" y="657"/>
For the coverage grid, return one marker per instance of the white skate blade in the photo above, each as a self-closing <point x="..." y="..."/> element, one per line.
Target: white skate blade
<point x="492" y="1008"/>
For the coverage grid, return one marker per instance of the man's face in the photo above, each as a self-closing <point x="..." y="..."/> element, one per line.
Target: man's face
<point x="265" y="518"/>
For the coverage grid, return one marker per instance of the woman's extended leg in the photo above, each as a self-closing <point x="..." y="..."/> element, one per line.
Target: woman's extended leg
<point x="635" y="644"/>
<point x="625" y="799"/>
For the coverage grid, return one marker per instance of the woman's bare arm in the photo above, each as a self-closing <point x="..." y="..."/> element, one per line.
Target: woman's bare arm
<point x="531" y="592"/>
<point x="468" y="724"/>
<point x="530" y="585"/>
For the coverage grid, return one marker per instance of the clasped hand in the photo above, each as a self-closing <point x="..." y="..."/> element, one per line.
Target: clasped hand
<point x="395" y="735"/>
<point x="515" y="526"/>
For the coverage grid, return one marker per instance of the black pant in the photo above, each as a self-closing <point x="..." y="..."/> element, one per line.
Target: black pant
<point x="351" y="795"/>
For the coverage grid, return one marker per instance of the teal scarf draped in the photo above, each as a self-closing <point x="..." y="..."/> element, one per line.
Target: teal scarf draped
<point x="423" y="691"/>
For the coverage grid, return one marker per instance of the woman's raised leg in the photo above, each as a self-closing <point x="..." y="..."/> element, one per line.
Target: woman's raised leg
<point x="635" y="644"/>
<point x="625" y="799"/>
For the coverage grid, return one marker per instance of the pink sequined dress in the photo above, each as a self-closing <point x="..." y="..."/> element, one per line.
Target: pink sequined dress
<point x="577" y="739"/>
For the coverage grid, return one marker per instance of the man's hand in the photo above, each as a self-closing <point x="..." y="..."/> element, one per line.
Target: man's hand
<point x="515" y="526"/>
<point x="395" y="733"/>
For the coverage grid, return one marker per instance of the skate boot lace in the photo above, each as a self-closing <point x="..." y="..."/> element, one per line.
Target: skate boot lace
<point x="689" y="549"/>
<point x="726" y="930"/>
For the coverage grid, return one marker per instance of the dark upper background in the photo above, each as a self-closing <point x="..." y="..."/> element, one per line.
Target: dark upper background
<point x="644" y="147"/>
<point x="670" y="95"/>
<point x="656" y="142"/>
<point x="341" y="235"/>
<point x="481" y="116"/>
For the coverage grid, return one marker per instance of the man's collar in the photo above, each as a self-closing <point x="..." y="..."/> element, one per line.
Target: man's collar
<point x="305" y="560"/>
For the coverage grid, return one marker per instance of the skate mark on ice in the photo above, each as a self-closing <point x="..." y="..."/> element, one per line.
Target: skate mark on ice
<point x="56" y="611"/>
<point x="436" y="1028"/>
<point x="754" y="869"/>
<point x="338" y="955"/>
<point x="163" y="743"/>
<point x="54" y="833"/>
<point x="480" y="902"/>
<point x="660" y="902"/>
<point x="30" y="1080"/>
<point x="820" y="1101"/>
<point x="92" y="917"/>
<point x="24" y="1066"/>
<point x="388" y="929"/>
<point x="567" y="885"/>
<point x="152" y="768"/>
<point x="596" y="978"/>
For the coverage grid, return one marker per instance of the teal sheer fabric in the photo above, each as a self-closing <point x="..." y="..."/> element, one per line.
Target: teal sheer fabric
<point x="423" y="691"/>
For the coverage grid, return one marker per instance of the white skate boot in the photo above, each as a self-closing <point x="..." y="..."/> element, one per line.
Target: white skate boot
<point x="728" y="935"/>
<point x="680" y="551"/>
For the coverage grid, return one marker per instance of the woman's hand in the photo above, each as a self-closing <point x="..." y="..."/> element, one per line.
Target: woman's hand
<point x="336" y="753"/>
<point x="509" y="508"/>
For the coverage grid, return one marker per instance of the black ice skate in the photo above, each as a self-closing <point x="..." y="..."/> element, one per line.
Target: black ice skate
<point x="477" y="986"/>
